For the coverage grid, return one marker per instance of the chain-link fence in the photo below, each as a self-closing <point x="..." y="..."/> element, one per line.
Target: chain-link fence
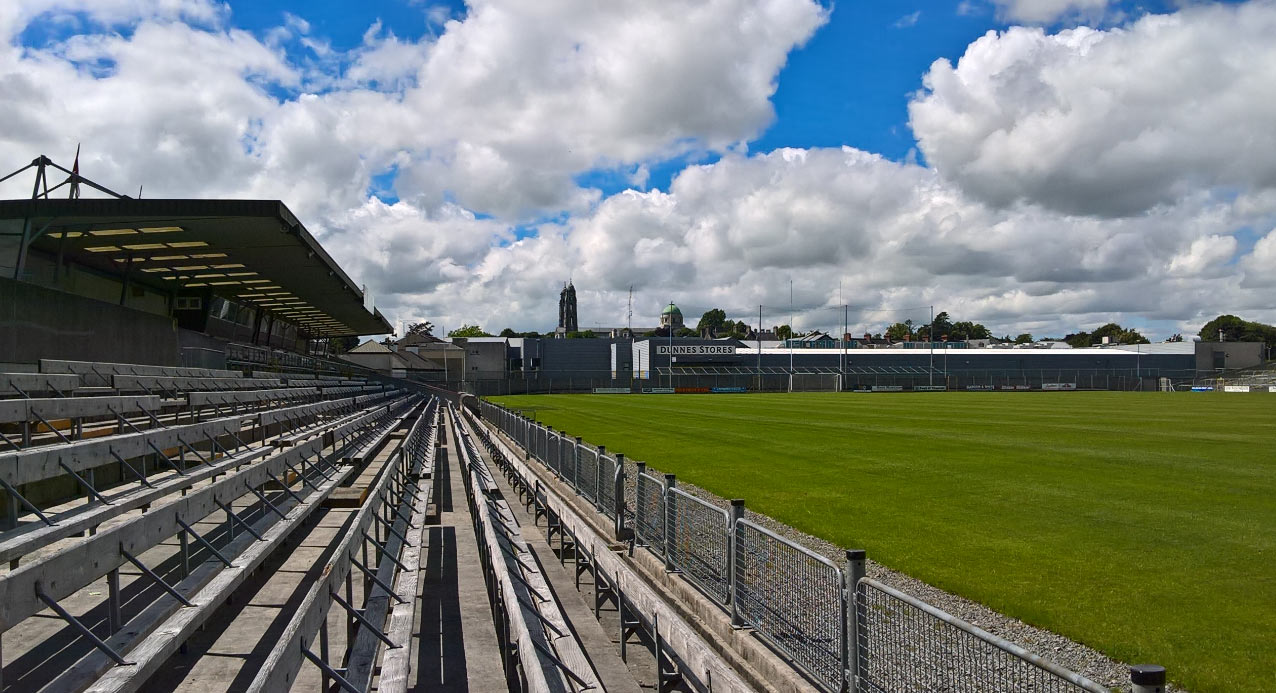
<point x="587" y="473"/>
<point x="845" y="632"/>
<point x="649" y="513"/>
<point x="697" y="539"/>
<point x="792" y="596"/>
<point x="553" y="452"/>
<point x="608" y="468"/>
<point x="905" y="644"/>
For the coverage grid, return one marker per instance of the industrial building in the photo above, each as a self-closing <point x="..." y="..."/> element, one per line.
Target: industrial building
<point x="578" y="365"/>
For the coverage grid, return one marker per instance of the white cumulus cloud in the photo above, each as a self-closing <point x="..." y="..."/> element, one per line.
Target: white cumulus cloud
<point x="1108" y="123"/>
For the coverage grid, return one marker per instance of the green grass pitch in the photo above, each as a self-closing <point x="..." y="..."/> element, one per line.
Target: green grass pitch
<point x="1142" y="524"/>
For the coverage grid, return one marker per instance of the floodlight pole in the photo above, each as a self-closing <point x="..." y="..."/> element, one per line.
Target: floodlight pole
<point x="671" y="343"/>
<point x="846" y="316"/>
<point x="930" y="340"/>
<point x="759" y="336"/>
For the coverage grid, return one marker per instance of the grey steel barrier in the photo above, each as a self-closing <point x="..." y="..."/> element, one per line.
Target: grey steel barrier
<point x="550" y="457"/>
<point x="698" y="542"/>
<point x="586" y="473"/>
<point x="906" y="644"/>
<point x="610" y="477"/>
<point x="794" y="598"/>
<point x="553" y="452"/>
<point x="649" y="513"/>
<point x="542" y="443"/>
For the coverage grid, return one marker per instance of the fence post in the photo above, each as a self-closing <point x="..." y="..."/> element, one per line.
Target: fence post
<point x="737" y="514"/>
<point x="670" y="482"/>
<point x="598" y="477"/>
<point x="618" y="496"/>
<point x="1147" y="678"/>
<point x="854" y="622"/>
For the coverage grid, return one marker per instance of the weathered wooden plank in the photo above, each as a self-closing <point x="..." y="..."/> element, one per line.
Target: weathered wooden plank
<point x="363" y="651"/>
<point x="39" y="463"/>
<point x="96" y="373"/>
<point x="180" y="383"/>
<point x="279" y="671"/>
<point x="79" y="564"/>
<point x="167" y="628"/>
<point x="214" y="398"/>
<point x="30" y="537"/>
<point x="396" y="664"/>
<point x="11" y="383"/>
<point x="51" y="408"/>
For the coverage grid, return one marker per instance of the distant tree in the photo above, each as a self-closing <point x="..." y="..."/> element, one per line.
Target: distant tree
<point x="1079" y="340"/>
<point x="344" y="344"/>
<point x="942" y="324"/>
<point x="1120" y="335"/>
<point x="1175" y="338"/>
<point x="714" y="319"/>
<point x="1114" y="332"/>
<point x="1237" y="330"/>
<point x="508" y="332"/>
<point x="585" y="334"/>
<point x="686" y="332"/>
<point x="1024" y="338"/>
<point x="658" y="332"/>
<point x="900" y="331"/>
<point x="965" y="330"/>
<point x="735" y="330"/>
<point x="426" y="327"/>
<point x="782" y="332"/>
<point x="468" y="331"/>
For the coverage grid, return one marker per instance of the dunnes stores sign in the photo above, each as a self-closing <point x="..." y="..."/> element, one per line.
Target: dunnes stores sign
<point x="697" y="349"/>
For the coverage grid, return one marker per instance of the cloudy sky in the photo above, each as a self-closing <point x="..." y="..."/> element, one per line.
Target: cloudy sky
<point x="1035" y="165"/>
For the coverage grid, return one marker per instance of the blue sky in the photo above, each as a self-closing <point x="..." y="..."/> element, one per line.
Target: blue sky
<point x="849" y="85"/>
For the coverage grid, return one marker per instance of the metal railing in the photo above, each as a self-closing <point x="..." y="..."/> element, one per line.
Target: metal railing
<point x="698" y="542"/>
<point x="845" y="632"/>
<point x="907" y="644"/>
<point x="649" y="513"/>
<point x="793" y="597"/>
<point x="611" y="471"/>
<point x="585" y="480"/>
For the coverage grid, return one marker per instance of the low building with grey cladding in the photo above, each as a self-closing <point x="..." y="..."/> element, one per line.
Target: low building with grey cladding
<point x="579" y="364"/>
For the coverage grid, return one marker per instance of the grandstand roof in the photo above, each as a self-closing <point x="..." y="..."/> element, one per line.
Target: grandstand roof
<point x="250" y="251"/>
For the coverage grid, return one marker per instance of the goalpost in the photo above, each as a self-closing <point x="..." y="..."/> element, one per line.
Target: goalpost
<point x="815" y="382"/>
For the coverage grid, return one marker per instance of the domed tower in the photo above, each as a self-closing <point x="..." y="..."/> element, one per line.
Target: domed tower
<point x="671" y="317"/>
